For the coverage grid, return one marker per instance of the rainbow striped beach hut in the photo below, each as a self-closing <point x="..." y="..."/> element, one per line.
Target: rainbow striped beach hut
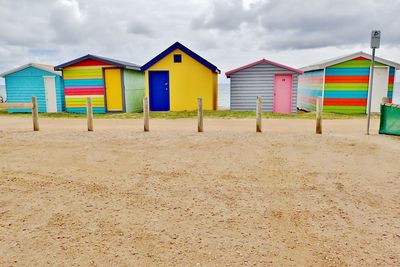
<point x="113" y="85"/>
<point x="343" y="84"/>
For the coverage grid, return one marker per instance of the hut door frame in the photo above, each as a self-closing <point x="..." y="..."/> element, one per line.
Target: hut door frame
<point x="122" y="89"/>
<point x="50" y="93"/>
<point x="376" y="86"/>
<point x="275" y="107"/>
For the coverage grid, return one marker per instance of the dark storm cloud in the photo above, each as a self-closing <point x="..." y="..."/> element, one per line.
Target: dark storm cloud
<point x="299" y="24"/>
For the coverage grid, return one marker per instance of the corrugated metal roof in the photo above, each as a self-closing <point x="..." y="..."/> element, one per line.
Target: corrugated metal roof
<point x="44" y="67"/>
<point x="337" y="60"/>
<point x="118" y="63"/>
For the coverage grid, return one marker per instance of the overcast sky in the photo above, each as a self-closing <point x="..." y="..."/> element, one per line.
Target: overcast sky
<point x="228" y="33"/>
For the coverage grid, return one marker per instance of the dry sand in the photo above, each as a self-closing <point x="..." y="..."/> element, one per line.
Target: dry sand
<point x="173" y="197"/>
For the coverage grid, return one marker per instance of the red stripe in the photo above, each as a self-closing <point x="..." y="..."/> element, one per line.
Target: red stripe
<point x="89" y="62"/>
<point x="84" y="92"/>
<point x="345" y="102"/>
<point x="83" y="87"/>
<point x="391" y="79"/>
<point x="347" y="79"/>
<point x="360" y="58"/>
<point x="308" y="99"/>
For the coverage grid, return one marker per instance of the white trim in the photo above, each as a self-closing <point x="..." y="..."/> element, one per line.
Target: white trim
<point x="50" y="91"/>
<point x="323" y="89"/>
<point x="43" y="67"/>
<point x="369" y="82"/>
<point x="335" y="61"/>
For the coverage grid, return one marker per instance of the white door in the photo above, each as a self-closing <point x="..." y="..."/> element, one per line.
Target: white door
<point x="50" y="89"/>
<point x="380" y="87"/>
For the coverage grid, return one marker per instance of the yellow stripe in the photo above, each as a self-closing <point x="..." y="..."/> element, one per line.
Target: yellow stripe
<point x="95" y="105"/>
<point x="83" y="72"/>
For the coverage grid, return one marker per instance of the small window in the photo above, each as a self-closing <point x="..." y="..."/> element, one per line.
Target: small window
<point x="177" y="58"/>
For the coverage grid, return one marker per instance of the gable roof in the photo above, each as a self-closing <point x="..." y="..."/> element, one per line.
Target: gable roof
<point x="180" y="46"/>
<point x="334" y="61"/>
<point x="44" y="67"/>
<point x="229" y="73"/>
<point x="115" y="62"/>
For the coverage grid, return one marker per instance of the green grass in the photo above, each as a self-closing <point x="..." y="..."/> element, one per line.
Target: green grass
<point x="224" y="114"/>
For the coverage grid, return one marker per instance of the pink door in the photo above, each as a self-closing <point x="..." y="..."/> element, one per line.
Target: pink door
<point x="283" y="86"/>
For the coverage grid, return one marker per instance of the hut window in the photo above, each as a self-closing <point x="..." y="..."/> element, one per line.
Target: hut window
<point x="177" y="58"/>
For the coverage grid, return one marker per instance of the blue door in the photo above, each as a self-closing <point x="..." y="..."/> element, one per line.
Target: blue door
<point x="159" y="90"/>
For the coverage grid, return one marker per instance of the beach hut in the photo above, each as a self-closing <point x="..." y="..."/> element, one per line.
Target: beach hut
<point x="343" y="84"/>
<point x="113" y="85"/>
<point x="276" y="83"/>
<point x="38" y="80"/>
<point x="177" y="77"/>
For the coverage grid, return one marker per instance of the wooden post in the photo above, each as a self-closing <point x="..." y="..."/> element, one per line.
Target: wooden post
<point x="35" y="114"/>
<point x="385" y="100"/>
<point x="89" y="112"/>
<point x="259" y="115"/>
<point x="200" y="115"/>
<point x="318" y="128"/>
<point x="146" y="113"/>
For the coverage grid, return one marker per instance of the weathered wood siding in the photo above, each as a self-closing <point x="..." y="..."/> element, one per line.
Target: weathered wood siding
<point x="255" y="81"/>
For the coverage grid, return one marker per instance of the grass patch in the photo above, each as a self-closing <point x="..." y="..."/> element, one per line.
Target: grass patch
<point x="224" y="114"/>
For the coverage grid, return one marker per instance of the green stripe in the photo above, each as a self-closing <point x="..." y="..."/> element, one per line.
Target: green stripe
<point x="346" y="86"/>
<point x="355" y="64"/>
<point x="345" y="109"/>
<point x="390" y="88"/>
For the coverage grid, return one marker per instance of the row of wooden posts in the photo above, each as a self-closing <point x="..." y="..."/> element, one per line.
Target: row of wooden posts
<point x="146" y="113"/>
<point x="200" y="123"/>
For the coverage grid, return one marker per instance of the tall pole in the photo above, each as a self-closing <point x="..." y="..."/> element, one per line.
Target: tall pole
<point x="371" y="83"/>
<point x="375" y="43"/>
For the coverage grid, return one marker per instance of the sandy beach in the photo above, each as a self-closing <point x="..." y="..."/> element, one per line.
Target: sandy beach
<point x="173" y="197"/>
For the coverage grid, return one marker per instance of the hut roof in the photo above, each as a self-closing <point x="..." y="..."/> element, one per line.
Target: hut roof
<point x="44" y="67"/>
<point x="229" y="73"/>
<point x="118" y="63"/>
<point x="337" y="60"/>
<point x="180" y="46"/>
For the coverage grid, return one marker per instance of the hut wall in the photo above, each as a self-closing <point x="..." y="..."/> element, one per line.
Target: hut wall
<point x="346" y="86"/>
<point x="310" y="87"/>
<point x="82" y="80"/>
<point x="255" y="81"/>
<point x="188" y="81"/>
<point x="134" y="90"/>
<point x="23" y="84"/>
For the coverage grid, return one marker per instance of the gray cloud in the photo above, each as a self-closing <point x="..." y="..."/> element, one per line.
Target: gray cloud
<point x="299" y="24"/>
<point x="138" y="27"/>
<point x="224" y="15"/>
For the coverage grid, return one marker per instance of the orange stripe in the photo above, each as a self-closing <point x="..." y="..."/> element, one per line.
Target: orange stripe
<point x="345" y="102"/>
<point x="347" y="79"/>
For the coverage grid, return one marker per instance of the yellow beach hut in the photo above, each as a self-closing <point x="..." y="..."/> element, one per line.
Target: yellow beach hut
<point x="177" y="77"/>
